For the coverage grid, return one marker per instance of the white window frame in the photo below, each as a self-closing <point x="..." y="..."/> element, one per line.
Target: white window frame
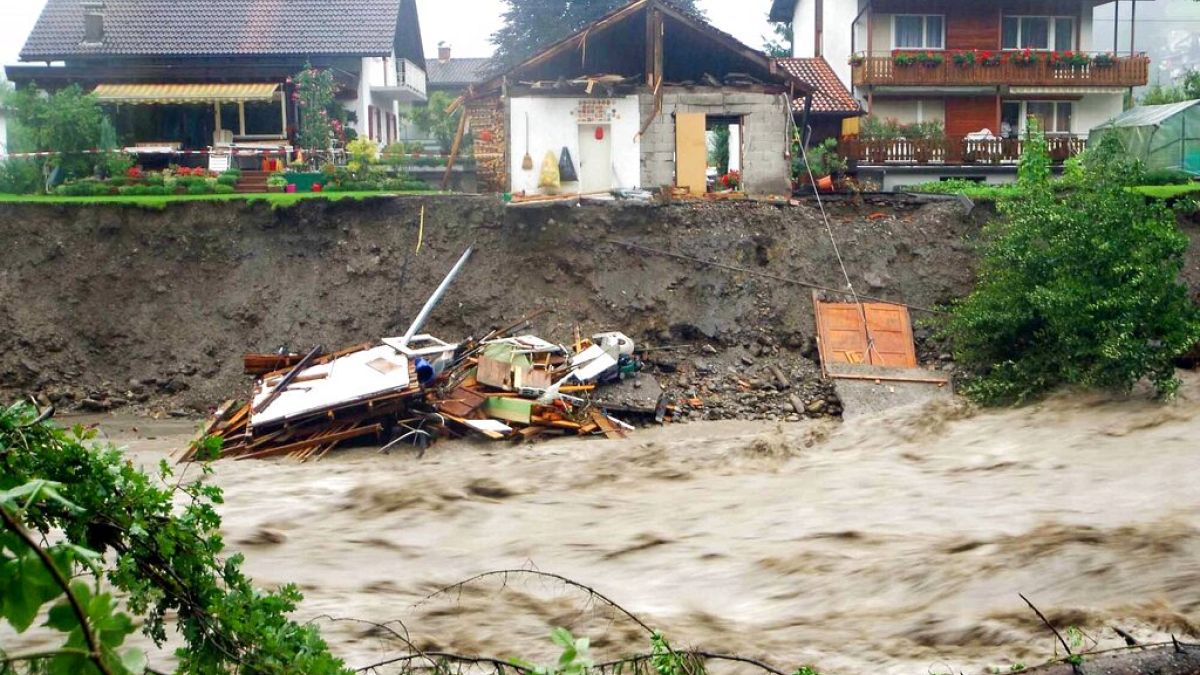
<point x="1048" y="132"/>
<point x="1051" y="37"/>
<point x="924" y="32"/>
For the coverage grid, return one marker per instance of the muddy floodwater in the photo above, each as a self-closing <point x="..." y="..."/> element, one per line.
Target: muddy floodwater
<point x="889" y="545"/>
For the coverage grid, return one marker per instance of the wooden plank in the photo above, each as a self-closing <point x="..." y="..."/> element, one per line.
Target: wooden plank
<point x="611" y="431"/>
<point x="691" y="152"/>
<point x="463" y="402"/>
<point x="287" y="379"/>
<point x="291" y="447"/>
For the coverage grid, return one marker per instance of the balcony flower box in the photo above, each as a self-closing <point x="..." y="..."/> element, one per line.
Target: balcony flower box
<point x="858" y="60"/>
<point x="1068" y="60"/>
<point x="990" y="59"/>
<point x="1104" y="60"/>
<point x="965" y="59"/>
<point x="927" y="59"/>
<point x="1025" y="57"/>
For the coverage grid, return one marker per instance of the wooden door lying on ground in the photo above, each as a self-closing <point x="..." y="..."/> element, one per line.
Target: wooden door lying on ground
<point x="885" y="339"/>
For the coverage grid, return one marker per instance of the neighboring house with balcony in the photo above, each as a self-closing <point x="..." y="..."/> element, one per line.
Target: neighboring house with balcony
<point x="981" y="69"/>
<point x="198" y="75"/>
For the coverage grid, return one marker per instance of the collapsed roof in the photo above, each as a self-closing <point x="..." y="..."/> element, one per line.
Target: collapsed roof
<point x="642" y="38"/>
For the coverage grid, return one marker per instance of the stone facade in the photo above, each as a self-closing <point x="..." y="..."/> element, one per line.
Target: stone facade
<point x="489" y="127"/>
<point x="766" y="169"/>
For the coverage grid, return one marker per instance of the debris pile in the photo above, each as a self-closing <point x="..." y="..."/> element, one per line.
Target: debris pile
<point x="417" y="388"/>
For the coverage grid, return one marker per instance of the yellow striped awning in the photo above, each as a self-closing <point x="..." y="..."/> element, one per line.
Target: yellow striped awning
<point x="149" y="94"/>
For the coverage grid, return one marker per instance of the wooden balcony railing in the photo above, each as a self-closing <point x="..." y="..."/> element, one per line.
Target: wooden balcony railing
<point x="1125" y="71"/>
<point x="952" y="151"/>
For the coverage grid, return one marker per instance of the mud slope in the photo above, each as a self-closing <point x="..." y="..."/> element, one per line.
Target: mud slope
<point x="97" y="297"/>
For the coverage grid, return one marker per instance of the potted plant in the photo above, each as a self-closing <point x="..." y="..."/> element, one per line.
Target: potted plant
<point x="858" y="60"/>
<point x="276" y="182"/>
<point x="903" y="59"/>
<point x="731" y="181"/>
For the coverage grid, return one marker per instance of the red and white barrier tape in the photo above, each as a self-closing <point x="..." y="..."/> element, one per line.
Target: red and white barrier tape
<point x="237" y="152"/>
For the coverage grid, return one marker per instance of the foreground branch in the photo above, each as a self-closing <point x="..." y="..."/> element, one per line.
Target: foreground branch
<point x="546" y="575"/>
<point x="94" y="652"/>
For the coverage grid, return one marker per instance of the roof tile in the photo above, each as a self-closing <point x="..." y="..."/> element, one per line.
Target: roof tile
<point x="831" y="96"/>
<point x="218" y="28"/>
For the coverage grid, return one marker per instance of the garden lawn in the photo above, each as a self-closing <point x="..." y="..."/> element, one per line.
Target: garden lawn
<point x="275" y="199"/>
<point x="1168" y="191"/>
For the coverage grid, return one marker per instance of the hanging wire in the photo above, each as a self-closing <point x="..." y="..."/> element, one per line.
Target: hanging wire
<point x="804" y="140"/>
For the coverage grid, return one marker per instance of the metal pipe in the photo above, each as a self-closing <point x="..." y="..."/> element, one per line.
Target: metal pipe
<point x="1133" y="32"/>
<point x="1116" y="26"/>
<point x="434" y="299"/>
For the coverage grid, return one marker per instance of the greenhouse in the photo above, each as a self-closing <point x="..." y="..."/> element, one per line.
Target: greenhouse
<point x="1162" y="136"/>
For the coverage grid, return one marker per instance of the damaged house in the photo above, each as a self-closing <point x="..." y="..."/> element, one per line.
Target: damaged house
<point x="632" y="101"/>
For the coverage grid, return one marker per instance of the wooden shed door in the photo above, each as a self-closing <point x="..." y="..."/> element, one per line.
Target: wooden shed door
<point x="844" y="337"/>
<point x="691" y="152"/>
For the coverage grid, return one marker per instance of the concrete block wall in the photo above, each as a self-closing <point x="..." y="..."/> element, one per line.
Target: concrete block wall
<point x="766" y="168"/>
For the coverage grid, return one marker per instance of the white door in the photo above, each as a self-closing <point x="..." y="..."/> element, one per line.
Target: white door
<point x="595" y="158"/>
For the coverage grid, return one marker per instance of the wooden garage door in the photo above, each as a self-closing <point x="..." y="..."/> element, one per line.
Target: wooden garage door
<point x="844" y="338"/>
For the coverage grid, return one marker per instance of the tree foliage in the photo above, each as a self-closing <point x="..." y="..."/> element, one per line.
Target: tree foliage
<point x="1081" y="288"/>
<point x="164" y="558"/>
<point x="68" y="122"/>
<point x="433" y="119"/>
<point x="779" y="44"/>
<point x="1187" y="90"/>
<point x="532" y="24"/>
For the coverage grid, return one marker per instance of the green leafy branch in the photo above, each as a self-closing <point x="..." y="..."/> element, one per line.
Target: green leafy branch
<point x="32" y="576"/>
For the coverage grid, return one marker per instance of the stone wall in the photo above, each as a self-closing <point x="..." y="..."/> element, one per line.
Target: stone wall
<point x="489" y="127"/>
<point x="766" y="169"/>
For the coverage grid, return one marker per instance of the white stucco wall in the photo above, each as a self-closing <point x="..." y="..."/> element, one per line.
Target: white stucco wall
<point x="836" y="33"/>
<point x="376" y="72"/>
<point x="553" y="126"/>
<point x="839" y="16"/>
<point x="804" y="29"/>
<point x="1086" y="27"/>
<point x="1096" y="109"/>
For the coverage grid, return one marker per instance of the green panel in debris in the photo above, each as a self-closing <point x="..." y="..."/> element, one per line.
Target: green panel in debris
<point x="509" y="409"/>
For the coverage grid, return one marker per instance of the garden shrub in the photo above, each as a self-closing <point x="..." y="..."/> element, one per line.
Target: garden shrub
<point x="227" y="179"/>
<point x="1166" y="177"/>
<point x="155" y="178"/>
<point x="156" y="190"/>
<point x="118" y="163"/>
<point x="199" y="188"/>
<point x="1081" y="288"/>
<point x="223" y="189"/>
<point x="83" y="188"/>
<point x="133" y="190"/>
<point x="19" y="177"/>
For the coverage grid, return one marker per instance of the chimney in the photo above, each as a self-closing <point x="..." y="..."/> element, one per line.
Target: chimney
<point x="444" y="52"/>
<point x="93" y="21"/>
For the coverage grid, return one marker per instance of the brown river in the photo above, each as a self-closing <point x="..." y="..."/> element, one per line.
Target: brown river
<point x="895" y="544"/>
